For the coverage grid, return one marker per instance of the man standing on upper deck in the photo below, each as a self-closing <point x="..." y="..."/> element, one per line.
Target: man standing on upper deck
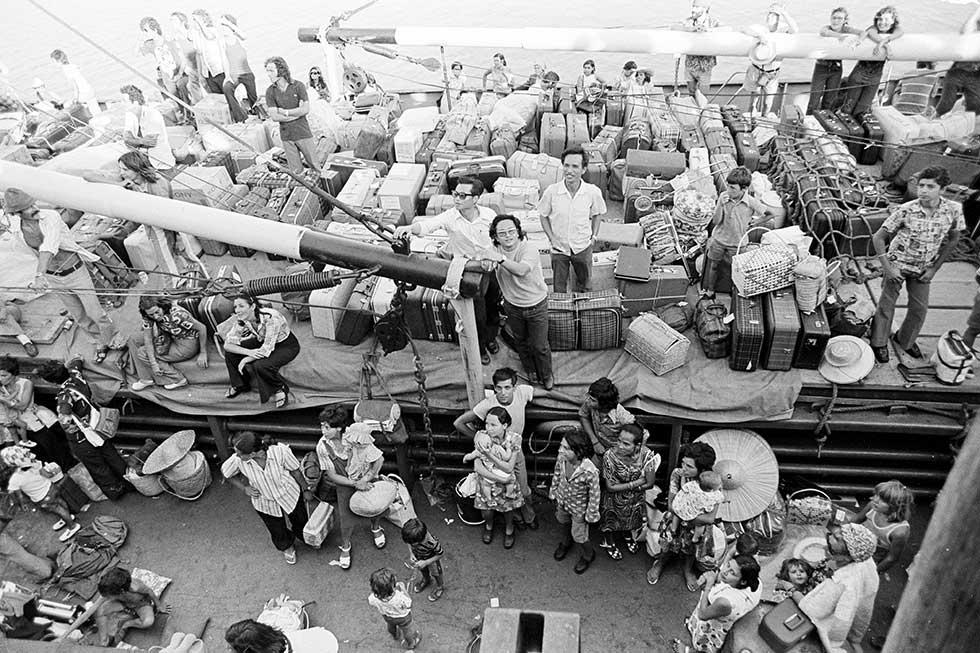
<point x="571" y="212"/>
<point x="698" y="67"/>
<point x="288" y="103"/>
<point x="912" y="244"/>
<point x="963" y="77"/>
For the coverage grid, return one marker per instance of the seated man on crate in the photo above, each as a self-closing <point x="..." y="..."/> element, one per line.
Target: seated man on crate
<point x="912" y="244"/>
<point x="468" y="227"/>
<point x="571" y="212"/>
<point x="735" y="213"/>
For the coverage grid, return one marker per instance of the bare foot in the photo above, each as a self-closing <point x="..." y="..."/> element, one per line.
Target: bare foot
<point x="690" y="579"/>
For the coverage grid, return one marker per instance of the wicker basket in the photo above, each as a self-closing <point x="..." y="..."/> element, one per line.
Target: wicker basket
<point x="810" y="277"/>
<point x="655" y="344"/>
<point x="762" y="269"/>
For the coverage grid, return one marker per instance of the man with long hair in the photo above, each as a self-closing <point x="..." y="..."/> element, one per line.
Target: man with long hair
<point x="288" y="104"/>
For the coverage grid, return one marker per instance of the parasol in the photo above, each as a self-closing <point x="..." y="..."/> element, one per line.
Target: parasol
<point x="749" y="472"/>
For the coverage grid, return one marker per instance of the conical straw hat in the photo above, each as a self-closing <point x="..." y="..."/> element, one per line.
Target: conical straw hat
<point x="170" y="452"/>
<point x="749" y="472"/>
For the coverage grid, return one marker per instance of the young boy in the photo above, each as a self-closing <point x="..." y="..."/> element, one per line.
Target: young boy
<point x="426" y="556"/>
<point x="735" y="214"/>
<point x="34" y="480"/>
<point x="395" y="606"/>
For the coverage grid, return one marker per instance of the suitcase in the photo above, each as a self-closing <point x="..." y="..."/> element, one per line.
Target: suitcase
<point x="785" y="626"/>
<point x="302" y="208"/>
<point x="782" y="327"/>
<point x="615" y="111"/>
<point x="112" y="271"/>
<point x="459" y="126"/>
<point x="719" y="140"/>
<point x="613" y="235"/>
<point x="439" y="204"/>
<point x="553" y="132"/>
<point x="546" y="170"/>
<point x="589" y="321"/>
<point x="277" y="202"/>
<point x="874" y="136"/>
<point x="748" y="333"/>
<point x="617" y="176"/>
<point x="691" y="138"/>
<point x="504" y="142"/>
<point x="356" y="191"/>
<point x="436" y="183"/>
<point x="597" y="174"/>
<point x="968" y="147"/>
<point x="215" y="309"/>
<point x="400" y="189"/>
<point x="576" y="129"/>
<point x="733" y="118"/>
<point x="325" y="305"/>
<point x="645" y="198"/>
<point x="407" y="142"/>
<point x="602" y="149"/>
<point x="546" y="103"/>
<point x="346" y="164"/>
<point x="663" y="165"/>
<point x="430" y="316"/>
<point x="518" y="194"/>
<point x="49" y="134"/>
<point x="478" y="139"/>
<point x="831" y="122"/>
<point x="91" y="228"/>
<point x="814" y="334"/>
<point x="356" y="321"/>
<point x="636" y="136"/>
<point x="854" y="139"/>
<point x="664" y="128"/>
<point x="487" y="169"/>
<point x="450" y="151"/>
<point x="613" y="133"/>
<point x="900" y="163"/>
<point x="746" y="150"/>
<point x="528" y="142"/>
<point x="430" y="142"/>
<point x="667" y="284"/>
<point x="492" y="201"/>
<point x="216" y="158"/>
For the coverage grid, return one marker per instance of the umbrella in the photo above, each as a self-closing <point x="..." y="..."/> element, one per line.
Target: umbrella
<point x="749" y="472"/>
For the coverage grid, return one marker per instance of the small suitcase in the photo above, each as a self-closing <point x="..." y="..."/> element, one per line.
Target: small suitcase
<point x="518" y="194"/>
<point x="576" y="129"/>
<point x="636" y="136"/>
<point x="430" y="316"/>
<point x="691" y="138"/>
<point x="430" y="142"/>
<point x="487" y="169"/>
<point x="449" y="151"/>
<point x="663" y="165"/>
<point x="603" y="148"/>
<point x="746" y="150"/>
<point x="748" y="332"/>
<point x="874" y="136"/>
<point x="345" y="165"/>
<point x="436" y="183"/>
<point x="617" y="176"/>
<point x="597" y="174"/>
<point x="356" y="321"/>
<point x="664" y="128"/>
<point x="528" y="142"/>
<point x="325" y="308"/>
<point x="612" y="133"/>
<point x="613" y="235"/>
<point x="782" y="325"/>
<point x="785" y="626"/>
<point x="854" y="140"/>
<point x="369" y="141"/>
<point x="400" y="189"/>
<point x="302" y="208"/>
<point x="831" y="122"/>
<point x="733" y="118"/>
<point x="554" y="132"/>
<point x="814" y="334"/>
<point x="504" y="142"/>
<point x="479" y="139"/>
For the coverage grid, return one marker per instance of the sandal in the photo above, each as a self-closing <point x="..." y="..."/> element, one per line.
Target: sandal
<point x="632" y="546"/>
<point x="100" y="353"/>
<point x="379" y="538"/>
<point x="436" y="594"/>
<point x="487" y="535"/>
<point x="234" y="391"/>
<point x="420" y="585"/>
<point x="282" y="398"/>
<point x="509" y="540"/>
<point x="614" y="552"/>
<point x="344" y="558"/>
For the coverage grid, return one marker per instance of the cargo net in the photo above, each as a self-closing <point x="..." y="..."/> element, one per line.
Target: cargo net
<point x="831" y="200"/>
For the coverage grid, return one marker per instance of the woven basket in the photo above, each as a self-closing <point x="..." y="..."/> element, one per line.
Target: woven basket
<point x="762" y="269"/>
<point x="655" y="344"/>
<point x="810" y="278"/>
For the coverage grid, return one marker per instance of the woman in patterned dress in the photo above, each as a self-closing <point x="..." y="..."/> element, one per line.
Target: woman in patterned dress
<point x="627" y="471"/>
<point x="503" y="497"/>
<point x="735" y="594"/>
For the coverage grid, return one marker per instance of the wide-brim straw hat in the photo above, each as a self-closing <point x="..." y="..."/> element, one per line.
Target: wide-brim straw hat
<point x="749" y="472"/>
<point x="170" y="452"/>
<point x="847" y="359"/>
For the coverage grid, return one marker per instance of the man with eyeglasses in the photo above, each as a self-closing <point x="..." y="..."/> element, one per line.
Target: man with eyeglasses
<point x="571" y="212"/>
<point x="468" y="227"/>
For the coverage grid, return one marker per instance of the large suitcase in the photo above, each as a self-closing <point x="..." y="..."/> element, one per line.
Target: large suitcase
<point x="302" y="208"/>
<point x="91" y="227"/>
<point x="602" y="149"/>
<point x="546" y="170"/>
<point x="356" y="321"/>
<point x="504" y="142"/>
<point x="636" y="136"/>
<point x="430" y="316"/>
<point x="664" y="128"/>
<point x="733" y="118"/>
<point x="346" y="164"/>
<point x="554" y="133"/>
<point x="591" y="321"/>
<point x="459" y="125"/>
<point x="854" y="140"/>
<point x="518" y="194"/>
<point x="662" y="165"/>
<point x="667" y="285"/>
<point x="487" y="169"/>
<point x="597" y="174"/>
<point x="814" y="334"/>
<point x="440" y="204"/>
<point x="430" y="142"/>
<point x="617" y="177"/>
<point x="615" y="111"/>
<point x="782" y="324"/>
<point x="356" y="191"/>
<point x="325" y="308"/>
<point x="748" y="333"/>
<point x="400" y="189"/>
<point x="874" y="136"/>
<point x="436" y="183"/>
<point x="785" y="626"/>
<point x="746" y="150"/>
<point x="478" y="140"/>
<point x="576" y="129"/>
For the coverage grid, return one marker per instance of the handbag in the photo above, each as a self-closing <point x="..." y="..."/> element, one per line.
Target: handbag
<point x="762" y="269"/>
<point x="809" y="506"/>
<point x="469" y="485"/>
<point x="384" y="415"/>
<point x="108" y="423"/>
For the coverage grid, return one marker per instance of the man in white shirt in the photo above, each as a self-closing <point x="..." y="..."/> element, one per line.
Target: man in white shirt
<point x="146" y="130"/>
<point x="468" y="227"/>
<point x="81" y="91"/>
<point x="571" y="211"/>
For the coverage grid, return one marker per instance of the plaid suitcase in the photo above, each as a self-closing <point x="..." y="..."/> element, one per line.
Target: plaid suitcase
<point x="748" y="332"/>
<point x="589" y="321"/>
<point x="356" y="321"/>
<point x="782" y="328"/>
<point x="636" y="136"/>
<point x="665" y="128"/>
<point x="814" y="334"/>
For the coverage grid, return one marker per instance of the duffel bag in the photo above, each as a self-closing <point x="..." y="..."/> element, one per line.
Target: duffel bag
<point x="712" y="329"/>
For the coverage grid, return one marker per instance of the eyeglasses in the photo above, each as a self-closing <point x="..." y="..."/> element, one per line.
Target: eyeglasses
<point x="462" y="196"/>
<point x="506" y="232"/>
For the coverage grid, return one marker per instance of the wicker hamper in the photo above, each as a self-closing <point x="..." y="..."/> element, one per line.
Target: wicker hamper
<point x="656" y="345"/>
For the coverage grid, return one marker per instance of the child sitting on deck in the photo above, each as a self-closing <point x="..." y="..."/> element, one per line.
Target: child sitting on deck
<point x="796" y="575"/>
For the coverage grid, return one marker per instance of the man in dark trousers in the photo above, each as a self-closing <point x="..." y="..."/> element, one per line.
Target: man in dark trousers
<point x="288" y="103"/>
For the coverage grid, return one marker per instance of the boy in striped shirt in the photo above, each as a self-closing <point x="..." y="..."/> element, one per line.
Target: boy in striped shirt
<point x="426" y="556"/>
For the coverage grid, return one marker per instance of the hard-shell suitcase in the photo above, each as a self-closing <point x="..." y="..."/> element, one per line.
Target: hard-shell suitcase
<point x="546" y="170"/>
<point x="597" y="174"/>
<point x="617" y="175"/>
<point x="369" y="141"/>
<point x="430" y="142"/>
<point x="326" y="305"/>
<point x="719" y="141"/>
<point x="407" y="143"/>
<point x="666" y="285"/>
<point x="554" y="133"/>
<point x="430" y="316"/>
<point x="613" y="133"/>
<point x="664" y="128"/>
<point x="345" y="165"/>
<point x="518" y="194"/>
<point x="691" y="138"/>
<point x="491" y="201"/>
<point x="782" y="324"/>
<point x="615" y="111"/>
<point x="663" y="165"/>
<point x="504" y="142"/>
<point x="436" y="183"/>
<point x="356" y="191"/>
<point x="603" y="148"/>
<point x="613" y="235"/>
<point x="733" y="118"/>
<point x="219" y="158"/>
<point x="814" y="334"/>
<point x="487" y="169"/>
<point x="874" y="136"/>
<point x="400" y="189"/>
<point x="748" y="333"/>
<point x="478" y="140"/>
<point x="636" y="136"/>
<point x="855" y="133"/>
<point x="356" y="321"/>
<point x="746" y="150"/>
<point x="439" y="204"/>
<point x="546" y="103"/>
<point x="576" y="129"/>
<point x="785" y="626"/>
<point x="302" y="208"/>
<point x="831" y="122"/>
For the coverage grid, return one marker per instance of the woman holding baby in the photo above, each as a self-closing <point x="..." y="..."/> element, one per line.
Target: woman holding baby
<point x="494" y="456"/>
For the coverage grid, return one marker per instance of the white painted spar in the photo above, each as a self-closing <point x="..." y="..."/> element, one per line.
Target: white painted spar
<point x="911" y="47"/>
<point x="115" y="202"/>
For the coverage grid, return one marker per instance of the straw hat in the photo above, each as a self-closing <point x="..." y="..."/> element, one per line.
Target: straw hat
<point x="170" y="452"/>
<point x="847" y="359"/>
<point x="373" y="502"/>
<point x="748" y="469"/>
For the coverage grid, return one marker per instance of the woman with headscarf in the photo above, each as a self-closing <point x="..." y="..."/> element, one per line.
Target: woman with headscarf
<point x="695" y="458"/>
<point x="728" y="596"/>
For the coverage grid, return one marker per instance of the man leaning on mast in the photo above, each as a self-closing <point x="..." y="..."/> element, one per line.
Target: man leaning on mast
<point x="963" y="77"/>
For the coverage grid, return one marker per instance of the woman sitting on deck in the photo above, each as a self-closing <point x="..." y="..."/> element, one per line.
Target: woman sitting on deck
<point x="170" y="334"/>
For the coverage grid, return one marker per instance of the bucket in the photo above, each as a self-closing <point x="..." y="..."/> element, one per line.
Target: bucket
<point x="148" y="485"/>
<point x="467" y="512"/>
<point x="188" y="486"/>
